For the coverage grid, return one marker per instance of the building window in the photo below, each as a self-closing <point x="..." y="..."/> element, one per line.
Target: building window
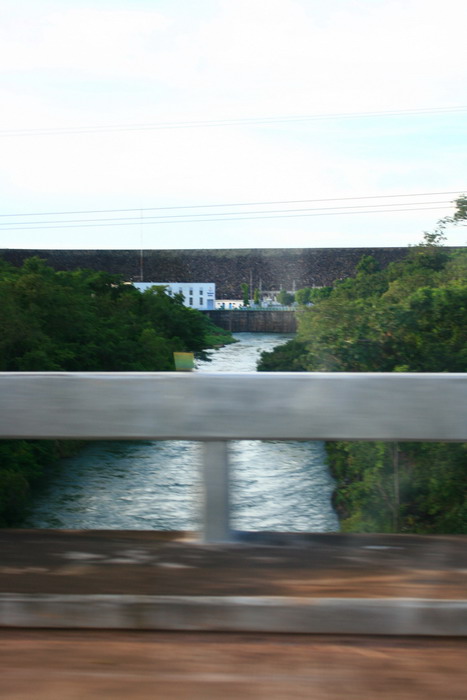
<point x="180" y="291"/>
<point x="191" y="291"/>
<point x="201" y="301"/>
<point x="201" y="292"/>
<point x="190" y="301"/>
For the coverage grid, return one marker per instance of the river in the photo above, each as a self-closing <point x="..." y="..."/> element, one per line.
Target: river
<point x="283" y="486"/>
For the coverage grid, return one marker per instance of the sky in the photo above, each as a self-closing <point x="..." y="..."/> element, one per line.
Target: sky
<point x="231" y="123"/>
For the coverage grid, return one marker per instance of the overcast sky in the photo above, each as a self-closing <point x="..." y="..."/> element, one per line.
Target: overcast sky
<point x="151" y="106"/>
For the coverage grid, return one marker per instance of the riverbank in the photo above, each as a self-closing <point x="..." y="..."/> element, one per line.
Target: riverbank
<point x="27" y="466"/>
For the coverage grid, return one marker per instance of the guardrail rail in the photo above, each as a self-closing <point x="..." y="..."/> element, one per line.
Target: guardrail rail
<point x="215" y="408"/>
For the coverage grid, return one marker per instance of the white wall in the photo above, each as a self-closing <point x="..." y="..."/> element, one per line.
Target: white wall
<point x="229" y="304"/>
<point x="197" y="295"/>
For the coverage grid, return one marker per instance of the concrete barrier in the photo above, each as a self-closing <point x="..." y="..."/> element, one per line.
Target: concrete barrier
<point x="215" y="408"/>
<point x="385" y="616"/>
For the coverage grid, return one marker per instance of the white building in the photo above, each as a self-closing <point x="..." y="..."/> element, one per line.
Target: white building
<point x="196" y="295"/>
<point x="222" y="304"/>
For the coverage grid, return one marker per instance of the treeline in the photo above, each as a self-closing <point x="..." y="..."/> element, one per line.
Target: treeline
<point x="409" y="317"/>
<point x="85" y="321"/>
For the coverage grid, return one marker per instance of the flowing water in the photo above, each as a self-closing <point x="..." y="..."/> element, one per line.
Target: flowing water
<point x="154" y="485"/>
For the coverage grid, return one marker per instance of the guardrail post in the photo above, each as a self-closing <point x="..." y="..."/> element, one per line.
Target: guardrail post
<point x="215" y="477"/>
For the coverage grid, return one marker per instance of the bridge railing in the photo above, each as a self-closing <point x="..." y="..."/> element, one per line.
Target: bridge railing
<point x="216" y="408"/>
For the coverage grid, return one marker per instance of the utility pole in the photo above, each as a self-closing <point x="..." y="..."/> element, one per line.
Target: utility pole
<point x="141" y="261"/>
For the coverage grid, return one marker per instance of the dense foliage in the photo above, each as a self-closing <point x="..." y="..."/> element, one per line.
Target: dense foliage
<point x="409" y="317"/>
<point x="82" y="321"/>
<point x="285" y="298"/>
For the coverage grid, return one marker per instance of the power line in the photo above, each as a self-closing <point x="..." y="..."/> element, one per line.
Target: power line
<point x="236" y="204"/>
<point x="245" y="121"/>
<point x="234" y="218"/>
<point x="239" y="215"/>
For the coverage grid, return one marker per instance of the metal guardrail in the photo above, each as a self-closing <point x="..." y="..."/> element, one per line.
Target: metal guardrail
<point x="215" y="408"/>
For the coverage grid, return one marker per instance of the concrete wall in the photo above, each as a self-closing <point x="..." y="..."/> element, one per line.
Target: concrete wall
<point x="255" y="321"/>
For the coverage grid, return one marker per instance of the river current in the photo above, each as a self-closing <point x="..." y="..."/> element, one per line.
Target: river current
<point x="284" y="486"/>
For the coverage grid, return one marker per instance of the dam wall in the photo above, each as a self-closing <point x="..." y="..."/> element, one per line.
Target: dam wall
<point x="262" y="268"/>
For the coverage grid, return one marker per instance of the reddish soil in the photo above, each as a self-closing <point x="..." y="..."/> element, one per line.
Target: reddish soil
<point x="77" y="665"/>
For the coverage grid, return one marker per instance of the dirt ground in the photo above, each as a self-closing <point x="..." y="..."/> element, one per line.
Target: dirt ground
<point x="72" y="665"/>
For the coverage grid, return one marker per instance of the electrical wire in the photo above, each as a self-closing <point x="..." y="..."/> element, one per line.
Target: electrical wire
<point x="166" y="217"/>
<point x="234" y="218"/>
<point x="236" y="204"/>
<point x="246" y="121"/>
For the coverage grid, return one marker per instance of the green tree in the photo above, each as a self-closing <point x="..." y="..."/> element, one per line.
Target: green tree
<point x="285" y="298"/>
<point x="461" y="209"/>
<point x="409" y="317"/>
<point x="290" y="357"/>
<point x="80" y="320"/>
<point x="303" y="296"/>
<point x="245" y="294"/>
<point x="319" y="293"/>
